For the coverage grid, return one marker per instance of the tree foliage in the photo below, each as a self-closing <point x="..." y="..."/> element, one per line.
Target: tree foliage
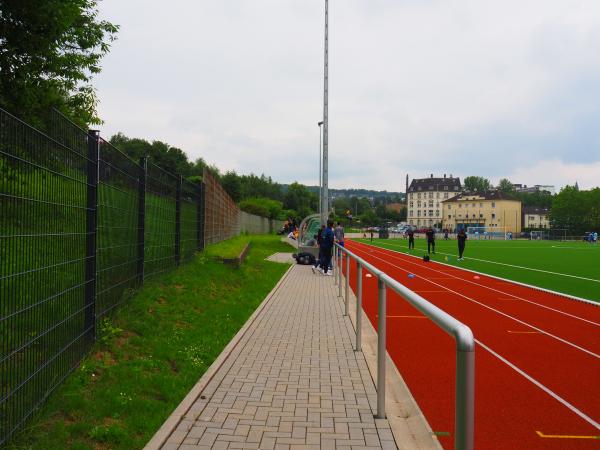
<point x="506" y="186"/>
<point x="575" y="210"/>
<point x="49" y="52"/>
<point x="476" y="184"/>
<point x="264" y="207"/>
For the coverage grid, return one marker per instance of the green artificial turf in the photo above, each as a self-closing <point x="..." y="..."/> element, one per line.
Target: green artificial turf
<point x="565" y="259"/>
<point x="152" y="352"/>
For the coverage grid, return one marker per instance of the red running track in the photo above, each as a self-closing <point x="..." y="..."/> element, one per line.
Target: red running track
<point x="537" y="356"/>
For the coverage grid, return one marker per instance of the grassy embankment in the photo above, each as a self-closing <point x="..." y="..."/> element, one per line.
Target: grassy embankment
<point x="153" y="351"/>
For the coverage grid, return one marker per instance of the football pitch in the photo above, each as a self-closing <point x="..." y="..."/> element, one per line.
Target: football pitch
<point x="568" y="267"/>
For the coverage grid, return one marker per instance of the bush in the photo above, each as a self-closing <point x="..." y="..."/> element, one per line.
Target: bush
<point x="261" y="206"/>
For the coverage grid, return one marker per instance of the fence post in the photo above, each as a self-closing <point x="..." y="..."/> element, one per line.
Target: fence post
<point x="358" y="306"/>
<point x="346" y="299"/>
<point x="141" y="217"/>
<point x="178" y="222"/>
<point x="93" y="157"/>
<point x="381" y="322"/>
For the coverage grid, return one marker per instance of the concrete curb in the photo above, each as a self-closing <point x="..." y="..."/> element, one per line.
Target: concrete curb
<point x="169" y="426"/>
<point x="238" y="260"/>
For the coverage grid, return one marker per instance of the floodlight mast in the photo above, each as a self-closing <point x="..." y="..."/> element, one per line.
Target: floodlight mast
<point x="320" y="171"/>
<point x="325" y="176"/>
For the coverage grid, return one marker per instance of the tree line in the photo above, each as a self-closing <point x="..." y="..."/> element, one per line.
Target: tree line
<point x="572" y="209"/>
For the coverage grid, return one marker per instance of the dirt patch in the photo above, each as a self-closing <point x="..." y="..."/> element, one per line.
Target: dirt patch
<point x="124" y="338"/>
<point x="182" y="324"/>
<point x="106" y="357"/>
<point x="179" y="287"/>
<point x="173" y="365"/>
<point x="161" y="300"/>
<point x="198" y="310"/>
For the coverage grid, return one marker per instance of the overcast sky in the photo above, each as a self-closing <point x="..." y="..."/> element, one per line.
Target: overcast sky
<point x="505" y="88"/>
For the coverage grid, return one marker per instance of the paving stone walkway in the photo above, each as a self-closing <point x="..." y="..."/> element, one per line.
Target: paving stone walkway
<point x="293" y="381"/>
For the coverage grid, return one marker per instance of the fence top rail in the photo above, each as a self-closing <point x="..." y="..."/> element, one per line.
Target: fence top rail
<point x="461" y="333"/>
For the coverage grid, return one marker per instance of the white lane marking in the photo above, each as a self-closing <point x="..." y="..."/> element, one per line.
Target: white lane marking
<point x="541" y="386"/>
<point x="497" y="311"/>
<point x="496" y="290"/>
<point x="519" y="267"/>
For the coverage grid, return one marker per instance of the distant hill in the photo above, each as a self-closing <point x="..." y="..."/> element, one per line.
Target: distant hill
<point x="337" y="193"/>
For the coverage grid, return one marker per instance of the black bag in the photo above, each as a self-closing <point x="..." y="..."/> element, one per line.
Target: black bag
<point x="304" y="258"/>
<point x="426" y="258"/>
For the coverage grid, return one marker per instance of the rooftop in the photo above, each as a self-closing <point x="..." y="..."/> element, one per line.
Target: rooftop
<point x="489" y="195"/>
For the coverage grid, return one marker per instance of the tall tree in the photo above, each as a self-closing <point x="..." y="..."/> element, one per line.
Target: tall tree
<point x="477" y="184"/>
<point x="506" y="186"/>
<point x="49" y="52"/>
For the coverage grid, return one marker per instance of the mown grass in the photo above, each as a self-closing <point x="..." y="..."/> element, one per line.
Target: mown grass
<point x="152" y="351"/>
<point x="568" y="267"/>
<point x="231" y="248"/>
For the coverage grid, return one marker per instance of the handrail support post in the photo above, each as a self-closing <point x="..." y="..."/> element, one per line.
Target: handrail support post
<point x="381" y="352"/>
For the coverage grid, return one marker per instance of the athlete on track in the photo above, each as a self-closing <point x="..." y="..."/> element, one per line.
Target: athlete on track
<point x="462" y="239"/>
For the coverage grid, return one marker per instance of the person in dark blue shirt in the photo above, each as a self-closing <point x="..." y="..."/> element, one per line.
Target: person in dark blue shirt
<point x="327" y="239"/>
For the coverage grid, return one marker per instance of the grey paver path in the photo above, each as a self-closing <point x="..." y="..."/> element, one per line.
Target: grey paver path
<point x="293" y="381"/>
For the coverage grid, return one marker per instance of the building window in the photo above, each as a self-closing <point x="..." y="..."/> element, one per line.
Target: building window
<point x="480" y="216"/>
<point x="431" y="213"/>
<point x="437" y="212"/>
<point x="411" y="204"/>
<point x="431" y="203"/>
<point x="449" y="206"/>
<point x="418" y="213"/>
<point x="493" y="204"/>
<point x="431" y="195"/>
<point x="456" y="188"/>
<point x="445" y="188"/>
<point x="460" y="215"/>
<point x="449" y="216"/>
<point x="446" y="194"/>
<point x="419" y="195"/>
<point x="493" y="215"/>
<point x="419" y="203"/>
<point x="437" y="195"/>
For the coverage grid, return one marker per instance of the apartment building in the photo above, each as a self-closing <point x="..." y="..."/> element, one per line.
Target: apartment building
<point x="424" y="199"/>
<point x="535" y="218"/>
<point x="492" y="210"/>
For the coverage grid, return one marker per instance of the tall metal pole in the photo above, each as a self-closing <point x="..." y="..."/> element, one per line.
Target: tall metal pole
<point x="325" y="201"/>
<point x="320" y="171"/>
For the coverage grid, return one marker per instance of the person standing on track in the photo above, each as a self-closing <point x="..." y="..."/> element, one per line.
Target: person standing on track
<point x="430" y="240"/>
<point x="462" y="239"/>
<point x="411" y="238"/>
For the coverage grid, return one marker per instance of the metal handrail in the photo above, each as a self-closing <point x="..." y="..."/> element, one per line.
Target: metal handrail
<point x="462" y="334"/>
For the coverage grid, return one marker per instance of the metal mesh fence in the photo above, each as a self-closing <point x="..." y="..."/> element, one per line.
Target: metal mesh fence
<point x="117" y="250"/>
<point x="222" y="215"/>
<point x="81" y="226"/>
<point x="43" y="309"/>
<point x="161" y="196"/>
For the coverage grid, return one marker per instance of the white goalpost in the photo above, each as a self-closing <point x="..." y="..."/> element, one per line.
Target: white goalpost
<point x="538" y="235"/>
